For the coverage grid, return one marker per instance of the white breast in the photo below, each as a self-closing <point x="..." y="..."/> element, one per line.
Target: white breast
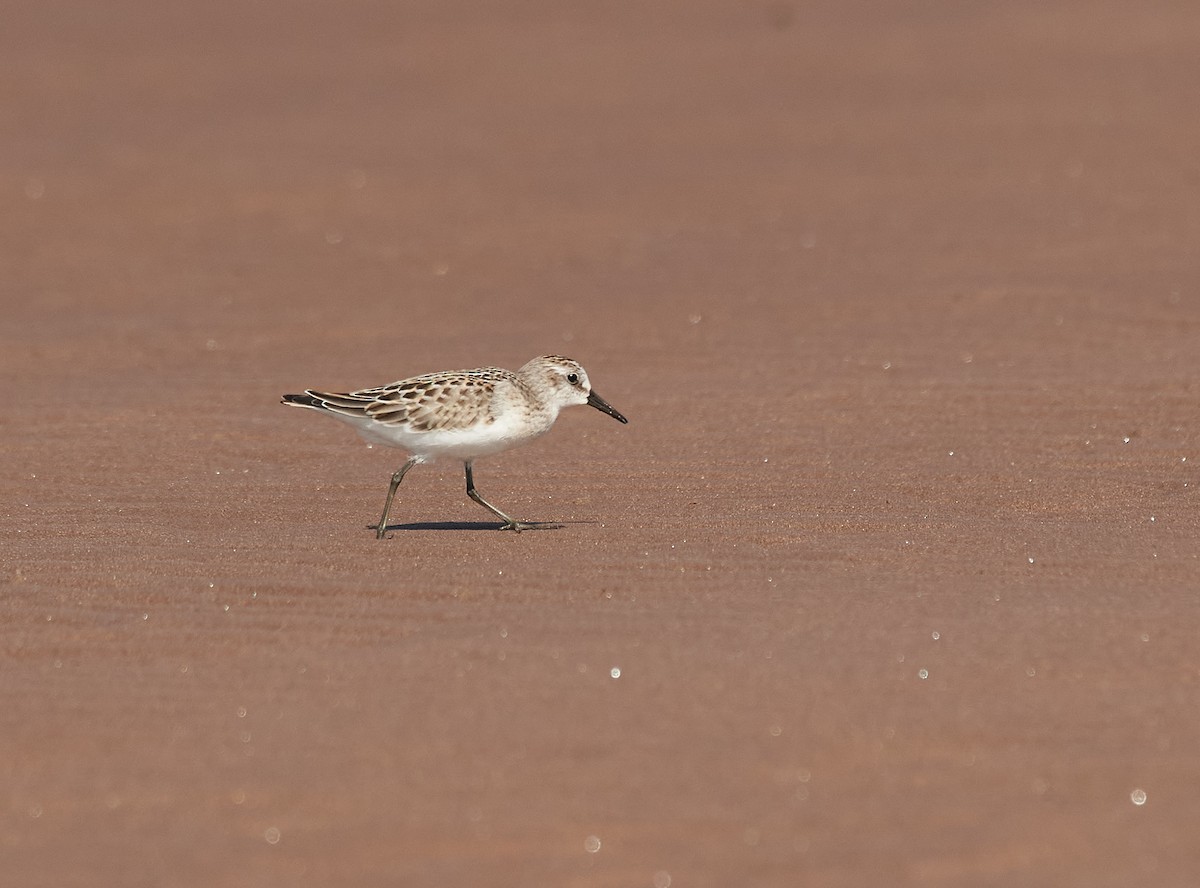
<point x="510" y="429"/>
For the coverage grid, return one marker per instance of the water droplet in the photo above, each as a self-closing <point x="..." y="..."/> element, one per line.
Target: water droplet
<point x="272" y="835"/>
<point x="615" y="672"/>
<point x="922" y="674"/>
<point x="1138" y="797"/>
<point x="662" y="879"/>
<point x="936" y="636"/>
<point x="591" y="844"/>
<point x="1031" y="559"/>
<point x="776" y="730"/>
<point x="241" y="712"/>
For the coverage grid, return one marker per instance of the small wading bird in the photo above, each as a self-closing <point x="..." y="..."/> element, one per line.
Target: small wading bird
<point x="463" y="414"/>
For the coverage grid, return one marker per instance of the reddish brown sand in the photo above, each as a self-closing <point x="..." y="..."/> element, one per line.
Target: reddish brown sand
<point x="897" y="557"/>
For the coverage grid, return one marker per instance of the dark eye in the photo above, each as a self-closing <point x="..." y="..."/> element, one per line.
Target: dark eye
<point x="573" y="378"/>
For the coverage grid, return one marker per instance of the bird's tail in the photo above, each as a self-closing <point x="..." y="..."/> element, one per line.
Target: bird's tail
<point x="305" y="400"/>
<point x="353" y="405"/>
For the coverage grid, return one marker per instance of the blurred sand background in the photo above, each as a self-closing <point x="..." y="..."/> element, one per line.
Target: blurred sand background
<point x="895" y="565"/>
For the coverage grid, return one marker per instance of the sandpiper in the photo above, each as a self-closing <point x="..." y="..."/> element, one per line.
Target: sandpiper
<point x="464" y="414"/>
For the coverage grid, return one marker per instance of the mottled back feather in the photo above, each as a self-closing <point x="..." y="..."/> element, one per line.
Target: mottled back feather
<point x="436" y="401"/>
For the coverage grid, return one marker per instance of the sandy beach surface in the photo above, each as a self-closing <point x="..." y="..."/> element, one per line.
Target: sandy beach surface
<point x="891" y="580"/>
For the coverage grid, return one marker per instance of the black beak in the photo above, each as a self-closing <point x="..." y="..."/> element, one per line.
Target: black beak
<point x="603" y="406"/>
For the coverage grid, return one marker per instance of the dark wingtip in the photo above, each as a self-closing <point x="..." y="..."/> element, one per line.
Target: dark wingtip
<point x="304" y="400"/>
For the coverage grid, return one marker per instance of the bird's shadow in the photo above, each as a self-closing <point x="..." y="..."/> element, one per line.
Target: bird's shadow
<point x="476" y="525"/>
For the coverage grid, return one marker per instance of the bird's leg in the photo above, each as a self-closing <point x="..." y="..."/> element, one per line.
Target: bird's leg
<point x="381" y="527"/>
<point x="509" y="523"/>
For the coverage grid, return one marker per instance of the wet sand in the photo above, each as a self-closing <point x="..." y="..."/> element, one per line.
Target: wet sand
<point x="890" y="580"/>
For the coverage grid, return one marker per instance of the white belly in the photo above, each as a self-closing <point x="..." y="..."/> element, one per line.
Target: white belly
<point x="504" y="433"/>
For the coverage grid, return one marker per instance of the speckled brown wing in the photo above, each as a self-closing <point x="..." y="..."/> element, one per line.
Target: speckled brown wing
<point x="439" y="401"/>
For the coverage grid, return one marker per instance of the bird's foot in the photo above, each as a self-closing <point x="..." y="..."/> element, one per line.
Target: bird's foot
<point x="518" y="526"/>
